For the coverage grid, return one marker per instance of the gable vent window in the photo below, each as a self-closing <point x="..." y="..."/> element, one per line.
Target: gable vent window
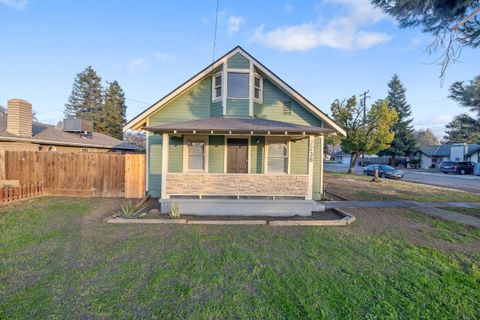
<point x="217" y="86"/>
<point x="287" y="108"/>
<point x="237" y="84"/>
<point x="257" y="87"/>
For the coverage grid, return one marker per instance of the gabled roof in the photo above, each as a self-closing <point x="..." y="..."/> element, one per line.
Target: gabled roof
<point x="138" y="121"/>
<point x="444" y="150"/>
<point x="49" y="134"/>
<point x="238" y="125"/>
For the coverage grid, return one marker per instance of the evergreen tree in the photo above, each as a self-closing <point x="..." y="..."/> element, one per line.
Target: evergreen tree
<point x="404" y="142"/>
<point x="85" y="101"/>
<point x="114" y="111"/>
<point x="464" y="127"/>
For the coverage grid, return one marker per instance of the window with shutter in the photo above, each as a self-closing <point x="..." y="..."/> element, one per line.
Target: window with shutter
<point x="196" y="155"/>
<point x="278" y="157"/>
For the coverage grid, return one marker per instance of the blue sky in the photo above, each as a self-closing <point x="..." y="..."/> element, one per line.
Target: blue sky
<point x="325" y="49"/>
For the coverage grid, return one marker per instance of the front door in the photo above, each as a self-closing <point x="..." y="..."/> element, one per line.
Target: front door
<point x="237" y="155"/>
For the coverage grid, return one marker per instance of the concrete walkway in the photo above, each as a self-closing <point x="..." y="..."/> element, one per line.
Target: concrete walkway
<point x="429" y="208"/>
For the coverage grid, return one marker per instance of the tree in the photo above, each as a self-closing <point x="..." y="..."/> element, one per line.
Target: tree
<point x="113" y="114"/>
<point x="85" y="101"/>
<point x="136" y="138"/>
<point x="403" y="143"/>
<point x="371" y="135"/>
<point x="464" y="127"/>
<point x="454" y="24"/>
<point x="425" y="138"/>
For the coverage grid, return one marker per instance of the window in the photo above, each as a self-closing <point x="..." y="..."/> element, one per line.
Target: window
<point x="196" y="155"/>
<point x="278" y="157"/>
<point x="257" y="88"/>
<point x="237" y="85"/>
<point x="217" y="86"/>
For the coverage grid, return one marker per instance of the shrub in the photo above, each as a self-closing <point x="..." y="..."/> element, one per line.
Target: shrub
<point x="128" y="211"/>
<point x="174" y="213"/>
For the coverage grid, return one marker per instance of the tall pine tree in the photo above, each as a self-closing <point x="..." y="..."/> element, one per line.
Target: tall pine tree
<point x="404" y="142"/>
<point x="86" y="99"/>
<point x="114" y="111"/>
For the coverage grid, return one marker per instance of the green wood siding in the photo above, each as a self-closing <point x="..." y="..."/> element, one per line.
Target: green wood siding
<point x="191" y="105"/>
<point x="216" y="154"/>
<point x="217" y="109"/>
<point x="237" y="107"/>
<point x="154" y="165"/>
<point x="299" y="156"/>
<point x="257" y="156"/>
<point x="316" y="170"/>
<point x="175" y="155"/>
<point x="273" y="107"/>
<point x="238" y="61"/>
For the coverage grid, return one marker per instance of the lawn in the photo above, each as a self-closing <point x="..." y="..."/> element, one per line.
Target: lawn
<point x="58" y="259"/>
<point x="359" y="187"/>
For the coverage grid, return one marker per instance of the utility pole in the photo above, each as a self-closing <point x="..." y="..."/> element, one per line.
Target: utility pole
<point x="363" y="103"/>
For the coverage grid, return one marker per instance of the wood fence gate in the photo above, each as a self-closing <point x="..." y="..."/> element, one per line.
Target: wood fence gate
<point x="77" y="174"/>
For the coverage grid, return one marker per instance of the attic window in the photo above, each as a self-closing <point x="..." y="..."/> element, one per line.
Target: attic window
<point x="217" y="86"/>
<point x="237" y="84"/>
<point x="287" y="108"/>
<point x="257" y="88"/>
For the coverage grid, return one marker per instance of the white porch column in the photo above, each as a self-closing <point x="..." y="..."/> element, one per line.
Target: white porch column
<point x="310" y="166"/>
<point x="321" y="164"/>
<point x="165" y="142"/>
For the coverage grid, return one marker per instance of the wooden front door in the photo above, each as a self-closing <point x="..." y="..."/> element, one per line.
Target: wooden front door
<point x="237" y="156"/>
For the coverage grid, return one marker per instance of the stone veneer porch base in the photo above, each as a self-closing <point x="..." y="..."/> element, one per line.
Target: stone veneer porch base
<point x="242" y="207"/>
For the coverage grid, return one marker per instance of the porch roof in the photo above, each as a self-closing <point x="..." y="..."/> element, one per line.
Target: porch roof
<point x="239" y="125"/>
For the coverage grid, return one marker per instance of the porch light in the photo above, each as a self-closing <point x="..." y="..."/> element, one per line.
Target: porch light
<point x="257" y="141"/>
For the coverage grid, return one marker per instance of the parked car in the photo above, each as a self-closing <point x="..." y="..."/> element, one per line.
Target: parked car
<point x="384" y="171"/>
<point x="461" y="167"/>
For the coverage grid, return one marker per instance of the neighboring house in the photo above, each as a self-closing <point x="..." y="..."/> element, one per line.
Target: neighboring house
<point x="431" y="157"/>
<point x="345" y="158"/>
<point x="234" y="130"/>
<point x="19" y="132"/>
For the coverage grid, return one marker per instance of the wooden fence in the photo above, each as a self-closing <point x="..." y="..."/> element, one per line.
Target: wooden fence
<point x="14" y="193"/>
<point x="77" y="174"/>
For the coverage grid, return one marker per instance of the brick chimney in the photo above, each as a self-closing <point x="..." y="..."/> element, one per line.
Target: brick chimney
<point x="19" y="119"/>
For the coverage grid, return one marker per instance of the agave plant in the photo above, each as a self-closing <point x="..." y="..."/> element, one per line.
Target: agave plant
<point x="128" y="211"/>
<point x="174" y="213"/>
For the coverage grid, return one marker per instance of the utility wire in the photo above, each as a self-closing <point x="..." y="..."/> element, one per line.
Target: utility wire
<point x="215" y="33"/>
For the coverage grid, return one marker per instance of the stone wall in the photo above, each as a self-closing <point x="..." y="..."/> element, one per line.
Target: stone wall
<point x="237" y="184"/>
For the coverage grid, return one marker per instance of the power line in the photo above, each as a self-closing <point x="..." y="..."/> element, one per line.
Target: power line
<point x="135" y="100"/>
<point x="215" y="33"/>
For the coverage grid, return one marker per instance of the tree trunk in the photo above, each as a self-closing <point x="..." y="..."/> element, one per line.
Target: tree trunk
<point x="353" y="160"/>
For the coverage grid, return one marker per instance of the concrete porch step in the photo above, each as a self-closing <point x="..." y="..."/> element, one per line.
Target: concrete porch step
<point x="242" y="207"/>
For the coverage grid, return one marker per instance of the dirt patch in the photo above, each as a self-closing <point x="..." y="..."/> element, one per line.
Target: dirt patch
<point x="418" y="228"/>
<point x="103" y="208"/>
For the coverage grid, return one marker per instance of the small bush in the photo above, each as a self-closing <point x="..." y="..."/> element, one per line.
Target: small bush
<point x="128" y="211"/>
<point x="174" y="213"/>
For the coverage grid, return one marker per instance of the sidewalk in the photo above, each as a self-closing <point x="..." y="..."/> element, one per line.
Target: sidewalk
<point x="429" y="208"/>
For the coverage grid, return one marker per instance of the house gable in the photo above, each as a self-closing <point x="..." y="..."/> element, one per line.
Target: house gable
<point x="199" y="87"/>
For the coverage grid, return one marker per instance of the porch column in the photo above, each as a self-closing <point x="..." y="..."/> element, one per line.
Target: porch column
<point x="310" y="167"/>
<point x="165" y="142"/>
<point x="321" y="164"/>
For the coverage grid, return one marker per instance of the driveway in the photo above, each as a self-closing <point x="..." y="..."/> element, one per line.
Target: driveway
<point x="467" y="182"/>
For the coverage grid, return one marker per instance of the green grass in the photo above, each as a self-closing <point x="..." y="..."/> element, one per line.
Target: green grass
<point x="474" y="212"/>
<point x="54" y="264"/>
<point x="359" y="187"/>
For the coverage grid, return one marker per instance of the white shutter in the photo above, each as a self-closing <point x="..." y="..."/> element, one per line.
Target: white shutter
<point x="278" y="157"/>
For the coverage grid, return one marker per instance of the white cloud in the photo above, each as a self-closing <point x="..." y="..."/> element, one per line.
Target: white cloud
<point x="15" y="4"/>
<point x="136" y="65"/>
<point x="162" y="56"/>
<point x="288" y="8"/>
<point x="234" y="24"/>
<point x="348" y="30"/>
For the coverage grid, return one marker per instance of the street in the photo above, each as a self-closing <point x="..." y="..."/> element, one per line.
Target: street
<point x="454" y="181"/>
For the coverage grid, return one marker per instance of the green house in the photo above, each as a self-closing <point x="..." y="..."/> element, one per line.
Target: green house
<point x="234" y="131"/>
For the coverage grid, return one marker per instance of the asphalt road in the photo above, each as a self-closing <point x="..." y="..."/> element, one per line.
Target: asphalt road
<point x="454" y="181"/>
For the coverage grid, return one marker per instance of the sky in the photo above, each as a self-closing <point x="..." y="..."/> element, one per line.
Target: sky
<point x="325" y="49"/>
